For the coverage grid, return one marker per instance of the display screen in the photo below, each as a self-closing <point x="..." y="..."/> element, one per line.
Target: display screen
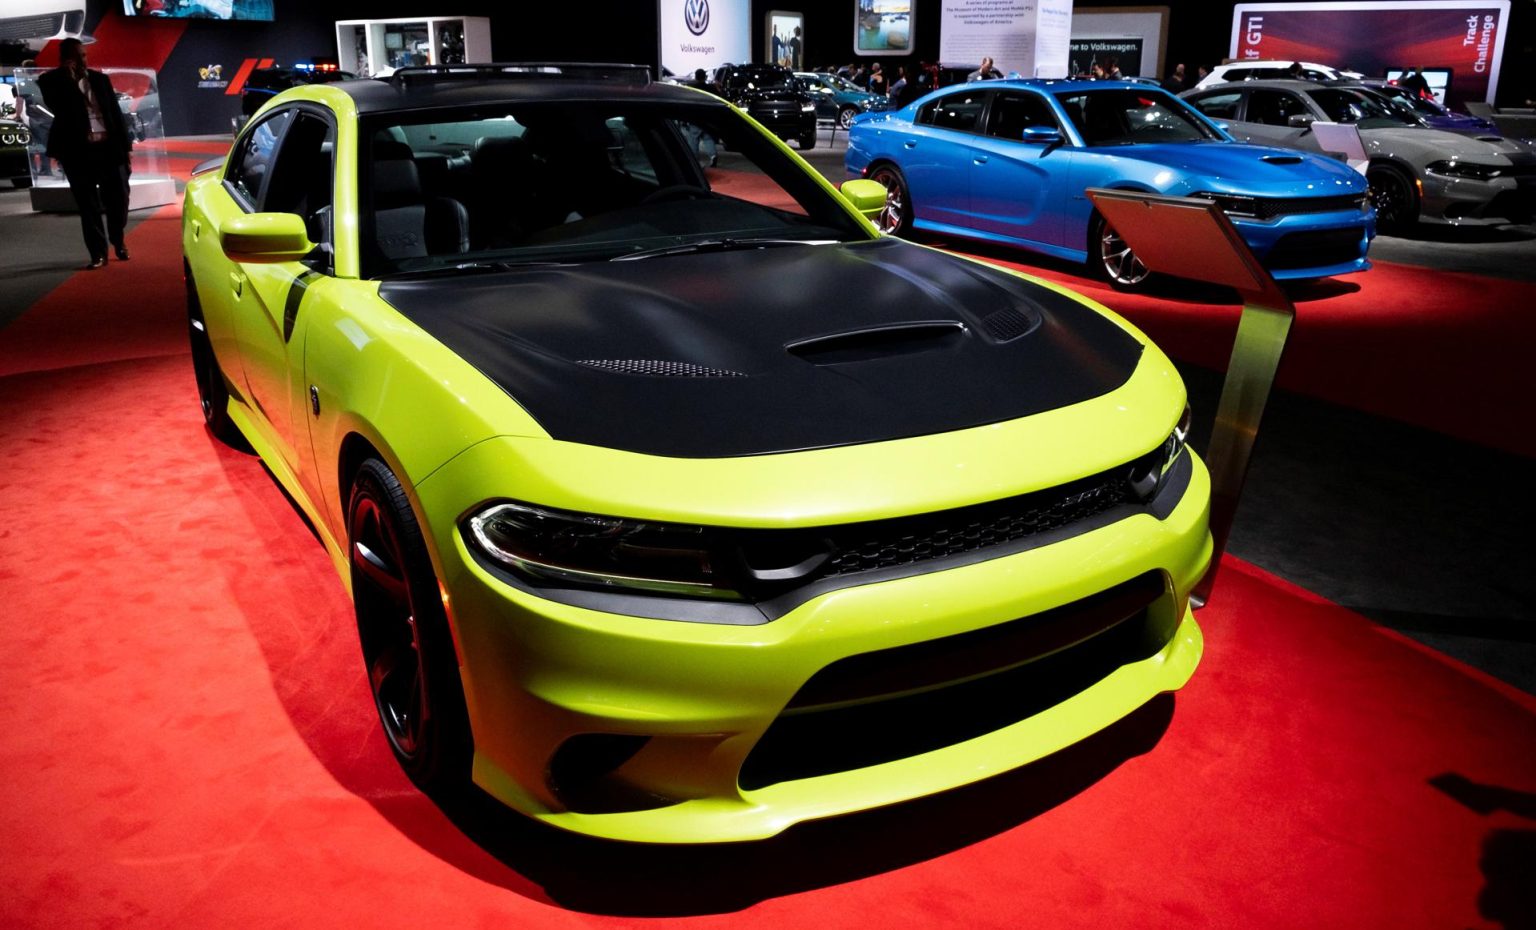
<point x="200" y="9"/>
<point x="704" y="34"/>
<point x="883" y="27"/>
<point x="1438" y="78"/>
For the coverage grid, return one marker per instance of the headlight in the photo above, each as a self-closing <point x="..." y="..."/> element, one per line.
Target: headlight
<point x="808" y="108"/>
<point x="1466" y="169"/>
<point x="561" y="547"/>
<point x="1232" y="204"/>
<point x="1150" y="472"/>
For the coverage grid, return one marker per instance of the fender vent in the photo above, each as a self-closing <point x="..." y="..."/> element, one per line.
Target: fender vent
<point x="1007" y="324"/>
<point x="1282" y="159"/>
<point x="656" y="368"/>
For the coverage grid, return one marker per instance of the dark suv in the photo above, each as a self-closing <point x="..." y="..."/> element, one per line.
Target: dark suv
<point x="773" y="97"/>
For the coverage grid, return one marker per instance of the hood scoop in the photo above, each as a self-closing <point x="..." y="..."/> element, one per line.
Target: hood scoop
<point x="862" y="345"/>
<point x="657" y="368"/>
<point x="1281" y="159"/>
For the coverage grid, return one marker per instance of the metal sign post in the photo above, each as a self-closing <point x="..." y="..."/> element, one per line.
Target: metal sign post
<point x="1192" y="238"/>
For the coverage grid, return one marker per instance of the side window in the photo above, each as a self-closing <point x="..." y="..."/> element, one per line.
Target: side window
<point x="925" y="114"/>
<point x="301" y="174"/>
<point x="1218" y="106"/>
<point x="253" y="157"/>
<point x="1014" y="112"/>
<point x="627" y="152"/>
<point x="1273" y="107"/>
<point x="1238" y="74"/>
<point x="960" y="112"/>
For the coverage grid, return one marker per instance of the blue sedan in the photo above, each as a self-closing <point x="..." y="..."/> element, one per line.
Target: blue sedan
<point x="1007" y="162"/>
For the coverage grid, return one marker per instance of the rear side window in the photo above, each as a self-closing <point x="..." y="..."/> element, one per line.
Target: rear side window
<point x="960" y="112"/>
<point x="1218" y="106"/>
<point x="1273" y="107"/>
<point x="253" y="158"/>
<point x="1014" y="112"/>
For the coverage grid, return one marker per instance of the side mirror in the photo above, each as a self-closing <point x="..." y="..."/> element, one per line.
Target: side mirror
<point x="1224" y="127"/>
<point x="1046" y="135"/>
<point x="867" y="197"/>
<point x="1301" y="121"/>
<point x="265" y="237"/>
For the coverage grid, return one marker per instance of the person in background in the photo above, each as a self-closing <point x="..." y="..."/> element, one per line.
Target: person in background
<point x="898" y="86"/>
<point x="1294" y="71"/>
<point x="877" y="83"/>
<point x="1175" y="81"/>
<point x="89" y="139"/>
<point x="1112" y="69"/>
<point x="987" y="72"/>
<point x="795" y="46"/>
<point x="1096" y="72"/>
<point x="1414" y="81"/>
<point x="1200" y="73"/>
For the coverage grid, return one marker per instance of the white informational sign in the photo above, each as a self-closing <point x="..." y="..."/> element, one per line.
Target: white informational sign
<point x="1028" y="37"/>
<point x="704" y="34"/>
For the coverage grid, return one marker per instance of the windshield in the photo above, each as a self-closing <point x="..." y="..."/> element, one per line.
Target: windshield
<point x="586" y="182"/>
<point x="1367" y="112"/>
<point x="758" y="80"/>
<point x="1410" y="100"/>
<point x="1128" y="117"/>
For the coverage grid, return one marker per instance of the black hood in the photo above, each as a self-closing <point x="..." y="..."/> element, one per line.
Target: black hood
<point x="771" y="350"/>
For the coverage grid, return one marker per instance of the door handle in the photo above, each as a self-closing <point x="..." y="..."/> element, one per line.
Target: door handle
<point x="197" y="229"/>
<point x="237" y="282"/>
<point x="979" y="160"/>
<point x="909" y="144"/>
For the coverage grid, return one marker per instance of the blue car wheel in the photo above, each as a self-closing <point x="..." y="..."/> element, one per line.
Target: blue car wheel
<point x="895" y="217"/>
<point x="1110" y="259"/>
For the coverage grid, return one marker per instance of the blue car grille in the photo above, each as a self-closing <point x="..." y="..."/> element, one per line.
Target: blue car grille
<point x="1269" y="208"/>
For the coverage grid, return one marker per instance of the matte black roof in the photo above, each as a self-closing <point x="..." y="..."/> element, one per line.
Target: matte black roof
<point x="380" y="96"/>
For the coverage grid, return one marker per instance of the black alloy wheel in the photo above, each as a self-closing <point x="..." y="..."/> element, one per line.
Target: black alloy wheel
<point x="895" y="217"/>
<point x="407" y="649"/>
<point x="845" y="116"/>
<point x="212" y="392"/>
<point x="1394" y="195"/>
<point x="1111" y="259"/>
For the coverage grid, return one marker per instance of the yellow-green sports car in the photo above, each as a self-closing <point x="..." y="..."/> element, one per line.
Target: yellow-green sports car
<point x="676" y="502"/>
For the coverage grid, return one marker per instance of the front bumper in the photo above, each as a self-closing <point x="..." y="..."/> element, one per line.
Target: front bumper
<point x="1317" y="245"/>
<point x="542" y="677"/>
<point x="1472" y="201"/>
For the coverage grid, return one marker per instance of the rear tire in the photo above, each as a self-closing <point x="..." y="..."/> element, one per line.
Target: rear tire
<point x="1111" y="260"/>
<point x="212" y="392"/>
<point x="1394" y="195"/>
<point x="413" y="672"/>
<point x="895" y="218"/>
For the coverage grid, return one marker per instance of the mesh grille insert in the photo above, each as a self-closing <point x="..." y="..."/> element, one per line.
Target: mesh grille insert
<point x="657" y="368"/>
<point x="1007" y="324"/>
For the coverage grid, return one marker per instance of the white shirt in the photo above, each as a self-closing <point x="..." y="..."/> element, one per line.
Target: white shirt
<point x="92" y="107"/>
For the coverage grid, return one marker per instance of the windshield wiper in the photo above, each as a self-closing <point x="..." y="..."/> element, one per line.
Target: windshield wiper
<point x="468" y="268"/>
<point x="717" y="245"/>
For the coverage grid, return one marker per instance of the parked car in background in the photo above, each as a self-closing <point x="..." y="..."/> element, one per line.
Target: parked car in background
<point x="839" y="99"/>
<point x="1429" y="112"/>
<point x="264" y="83"/>
<point x="679" y="505"/>
<point x="773" y="97"/>
<point x="1273" y="70"/>
<point x="1415" y="172"/>
<point x="1007" y="161"/>
<point x="14" y="165"/>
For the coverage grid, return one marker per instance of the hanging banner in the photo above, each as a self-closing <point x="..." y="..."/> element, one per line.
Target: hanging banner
<point x="704" y="34"/>
<point x="1029" y="38"/>
<point x="1464" y="36"/>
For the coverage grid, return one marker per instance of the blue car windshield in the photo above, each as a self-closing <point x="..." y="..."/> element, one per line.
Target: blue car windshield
<point x="1129" y="117"/>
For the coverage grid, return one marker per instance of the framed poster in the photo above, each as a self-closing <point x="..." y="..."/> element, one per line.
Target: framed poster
<point x="784" y="40"/>
<point x="883" y="27"/>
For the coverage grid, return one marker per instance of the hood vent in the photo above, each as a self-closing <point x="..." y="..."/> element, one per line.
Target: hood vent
<point x="864" y="345"/>
<point x="1007" y="324"/>
<point x="1282" y="159"/>
<point x="656" y="368"/>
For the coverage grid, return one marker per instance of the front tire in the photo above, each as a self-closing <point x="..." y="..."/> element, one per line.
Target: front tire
<point x="895" y="218"/>
<point x="1110" y="259"/>
<point x="807" y="140"/>
<point x="845" y="117"/>
<point x="1394" y="195"/>
<point x="212" y="392"/>
<point x="407" y="649"/>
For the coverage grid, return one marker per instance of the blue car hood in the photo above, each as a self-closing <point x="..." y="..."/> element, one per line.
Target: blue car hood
<point x="1239" y="168"/>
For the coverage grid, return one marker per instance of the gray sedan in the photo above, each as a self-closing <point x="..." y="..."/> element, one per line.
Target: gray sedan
<point x="1415" y="172"/>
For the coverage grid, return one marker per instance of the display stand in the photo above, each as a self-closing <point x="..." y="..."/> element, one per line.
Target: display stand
<point x="138" y="94"/>
<point x="1342" y="139"/>
<point x="1192" y="238"/>
<point x="376" y="47"/>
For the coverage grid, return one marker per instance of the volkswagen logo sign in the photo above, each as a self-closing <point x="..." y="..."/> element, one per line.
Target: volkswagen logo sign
<point x="696" y="15"/>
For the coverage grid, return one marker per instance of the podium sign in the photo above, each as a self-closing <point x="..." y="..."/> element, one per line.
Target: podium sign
<point x="1191" y="238"/>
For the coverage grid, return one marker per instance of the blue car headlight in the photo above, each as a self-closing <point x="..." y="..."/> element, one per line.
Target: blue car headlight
<point x="1232" y="204"/>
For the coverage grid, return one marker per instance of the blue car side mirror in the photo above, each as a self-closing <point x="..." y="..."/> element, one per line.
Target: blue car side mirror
<point x="1044" y="134"/>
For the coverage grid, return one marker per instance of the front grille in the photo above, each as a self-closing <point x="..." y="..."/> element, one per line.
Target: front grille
<point x="19" y="28"/>
<point x="897" y="703"/>
<point x="905" y="540"/>
<point x="1268" y="208"/>
<point x="1313" y="248"/>
<point x="658" y="368"/>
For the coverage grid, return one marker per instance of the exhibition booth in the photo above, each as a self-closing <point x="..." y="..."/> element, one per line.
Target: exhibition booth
<point x="558" y="474"/>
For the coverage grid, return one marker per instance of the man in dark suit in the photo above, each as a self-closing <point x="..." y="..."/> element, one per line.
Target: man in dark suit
<point x="90" y="140"/>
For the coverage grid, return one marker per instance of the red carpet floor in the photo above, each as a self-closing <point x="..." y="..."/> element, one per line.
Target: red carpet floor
<point x="191" y="742"/>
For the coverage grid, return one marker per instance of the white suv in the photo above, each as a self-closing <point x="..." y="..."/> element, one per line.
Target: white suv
<point x="1260" y="70"/>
